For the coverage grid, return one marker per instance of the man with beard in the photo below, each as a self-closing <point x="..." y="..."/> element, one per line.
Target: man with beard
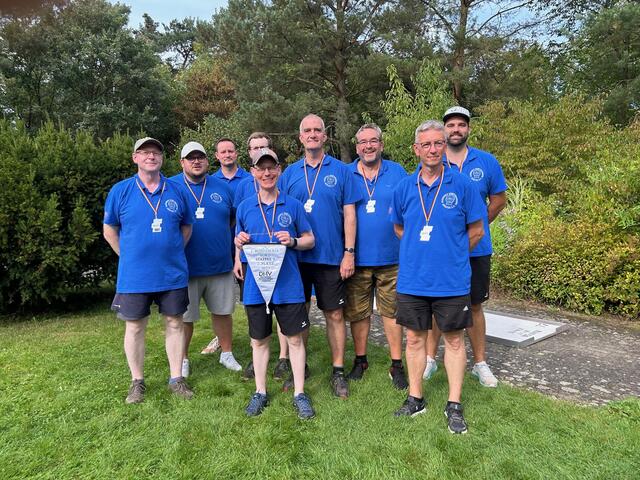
<point x="485" y="172"/>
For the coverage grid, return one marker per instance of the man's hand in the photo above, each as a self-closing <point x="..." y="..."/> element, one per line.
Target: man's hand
<point x="237" y="269"/>
<point x="241" y="239"/>
<point x="347" y="266"/>
<point x="284" y="238"/>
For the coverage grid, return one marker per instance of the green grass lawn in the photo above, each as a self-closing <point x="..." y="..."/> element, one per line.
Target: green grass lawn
<point x="63" y="383"/>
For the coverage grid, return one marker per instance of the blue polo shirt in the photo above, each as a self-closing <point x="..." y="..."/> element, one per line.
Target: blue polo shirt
<point x="334" y="189"/>
<point x="234" y="181"/>
<point x="376" y="243"/>
<point x="485" y="171"/>
<point x="149" y="261"/>
<point x="290" y="216"/>
<point x="438" y="267"/>
<point x="247" y="187"/>
<point x="208" y="250"/>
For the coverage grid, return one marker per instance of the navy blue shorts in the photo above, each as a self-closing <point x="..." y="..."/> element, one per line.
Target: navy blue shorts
<point x="292" y="318"/>
<point x="331" y="290"/>
<point x="136" y="306"/>
<point x="480" y="278"/>
<point x="451" y="313"/>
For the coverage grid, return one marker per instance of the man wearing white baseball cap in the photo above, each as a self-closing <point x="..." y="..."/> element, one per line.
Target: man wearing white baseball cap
<point x="210" y="265"/>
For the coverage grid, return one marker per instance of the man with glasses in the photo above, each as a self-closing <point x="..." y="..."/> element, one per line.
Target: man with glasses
<point x="377" y="250"/>
<point x="325" y="186"/>
<point x="437" y="214"/>
<point x="210" y="265"/>
<point x="147" y="223"/>
<point x="485" y="172"/>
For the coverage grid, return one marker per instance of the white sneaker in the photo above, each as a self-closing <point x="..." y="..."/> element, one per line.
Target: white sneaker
<point x="185" y="368"/>
<point x="483" y="372"/>
<point x="430" y="368"/>
<point x="227" y="359"/>
<point x="213" y="346"/>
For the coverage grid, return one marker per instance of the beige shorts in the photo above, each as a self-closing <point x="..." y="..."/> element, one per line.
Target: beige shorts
<point x="218" y="292"/>
<point x="360" y="290"/>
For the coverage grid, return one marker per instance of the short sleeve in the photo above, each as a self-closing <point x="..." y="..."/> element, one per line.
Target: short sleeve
<point x="111" y="209"/>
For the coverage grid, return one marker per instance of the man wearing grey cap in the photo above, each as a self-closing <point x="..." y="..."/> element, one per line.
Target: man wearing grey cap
<point x="147" y="223"/>
<point x="485" y="172"/>
<point x="210" y="265"/>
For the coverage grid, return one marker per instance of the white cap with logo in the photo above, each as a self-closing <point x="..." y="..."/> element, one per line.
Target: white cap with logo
<point x="139" y="143"/>
<point x="191" y="147"/>
<point x="456" y="111"/>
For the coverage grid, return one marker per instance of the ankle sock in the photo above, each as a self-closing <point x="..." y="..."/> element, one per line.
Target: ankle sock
<point x="361" y="359"/>
<point x="338" y="370"/>
<point x="173" y="380"/>
<point x="396" y="363"/>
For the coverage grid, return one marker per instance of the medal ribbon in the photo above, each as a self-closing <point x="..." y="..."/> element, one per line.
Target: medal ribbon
<point x="375" y="180"/>
<point x="198" y="201"/>
<point x="155" y="209"/>
<point x="428" y="217"/>
<point x="271" y="231"/>
<point x="306" y="178"/>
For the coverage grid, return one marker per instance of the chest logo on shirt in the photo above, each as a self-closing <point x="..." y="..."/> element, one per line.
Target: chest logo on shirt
<point x="450" y="200"/>
<point x="284" y="219"/>
<point x="330" y="181"/>
<point x="476" y="174"/>
<point x="215" y="197"/>
<point x="171" y="205"/>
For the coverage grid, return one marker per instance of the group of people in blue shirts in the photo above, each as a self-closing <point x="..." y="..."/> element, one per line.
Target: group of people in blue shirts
<point x="418" y="245"/>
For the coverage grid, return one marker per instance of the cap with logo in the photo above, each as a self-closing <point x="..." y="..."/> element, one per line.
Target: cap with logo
<point x="143" y="141"/>
<point x="257" y="155"/>
<point x="456" y="111"/>
<point x="191" y="147"/>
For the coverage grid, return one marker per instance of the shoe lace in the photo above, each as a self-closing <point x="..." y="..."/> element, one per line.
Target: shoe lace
<point x="456" y="417"/>
<point x="255" y="402"/>
<point x="484" y="370"/>
<point x="304" y="403"/>
<point x="138" y="387"/>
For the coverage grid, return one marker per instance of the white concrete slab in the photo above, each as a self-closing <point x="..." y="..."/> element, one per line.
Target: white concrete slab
<point x="519" y="331"/>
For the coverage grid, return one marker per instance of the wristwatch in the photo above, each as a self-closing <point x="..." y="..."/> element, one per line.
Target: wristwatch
<point x="350" y="250"/>
<point x="295" y="242"/>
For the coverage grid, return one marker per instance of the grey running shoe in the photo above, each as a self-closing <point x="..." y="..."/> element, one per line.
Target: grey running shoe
<point x="455" y="418"/>
<point x="398" y="377"/>
<point x="339" y="385"/>
<point x="357" y="371"/>
<point x="257" y="404"/>
<point x="288" y="383"/>
<point x="430" y="368"/>
<point x="136" y="392"/>
<point x="411" y="407"/>
<point x="282" y="369"/>
<point x="248" y="373"/>
<point x="482" y="371"/>
<point x="181" y="389"/>
<point x="304" y="407"/>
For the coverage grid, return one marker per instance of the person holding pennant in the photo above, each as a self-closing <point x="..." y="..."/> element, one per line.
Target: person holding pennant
<point x="377" y="250"/>
<point x="326" y="188"/>
<point x="147" y="223"/>
<point x="437" y="214"/>
<point x="270" y="226"/>
<point x="210" y="265"/>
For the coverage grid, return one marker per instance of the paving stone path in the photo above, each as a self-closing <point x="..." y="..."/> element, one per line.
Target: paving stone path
<point x="592" y="363"/>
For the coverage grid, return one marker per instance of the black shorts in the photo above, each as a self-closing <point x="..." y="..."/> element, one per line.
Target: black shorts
<point x="480" y="279"/>
<point x="330" y="288"/>
<point x="241" y="282"/>
<point x="292" y="318"/>
<point x="135" y="306"/>
<point x="451" y="313"/>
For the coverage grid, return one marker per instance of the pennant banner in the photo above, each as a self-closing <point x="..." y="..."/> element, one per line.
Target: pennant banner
<point x="265" y="260"/>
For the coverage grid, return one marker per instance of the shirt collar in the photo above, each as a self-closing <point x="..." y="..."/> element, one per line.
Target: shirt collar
<point x="446" y="178"/>
<point x="384" y="167"/>
<point x="281" y="198"/>
<point x="326" y="160"/>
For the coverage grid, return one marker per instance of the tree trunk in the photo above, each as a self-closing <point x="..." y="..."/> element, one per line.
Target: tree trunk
<point x="460" y="43"/>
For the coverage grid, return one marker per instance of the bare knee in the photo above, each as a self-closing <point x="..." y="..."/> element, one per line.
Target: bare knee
<point x="454" y="341"/>
<point x="334" y="316"/>
<point x="416" y="340"/>
<point x="263" y="342"/>
<point x="295" y="341"/>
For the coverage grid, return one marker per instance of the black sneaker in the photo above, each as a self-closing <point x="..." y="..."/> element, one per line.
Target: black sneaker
<point x="455" y="418"/>
<point x="339" y="385"/>
<point x="398" y="377"/>
<point x="357" y="371"/>
<point x="411" y="407"/>
<point x="257" y="404"/>
<point x="288" y="383"/>
<point x="303" y="406"/>
<point x="282" y="369"/>
<point x="181" y="389"/>
<point x="136" y="392"/>
<point x="248" y="373"/>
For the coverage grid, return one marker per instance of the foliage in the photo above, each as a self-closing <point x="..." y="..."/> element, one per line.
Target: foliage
<point x="63" y="415"/>
<point x="52" y="203"/>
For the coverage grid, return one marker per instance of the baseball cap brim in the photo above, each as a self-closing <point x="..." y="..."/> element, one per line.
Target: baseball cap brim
<point x="143" y="141"/>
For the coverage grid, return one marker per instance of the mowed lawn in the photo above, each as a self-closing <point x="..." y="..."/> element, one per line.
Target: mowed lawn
<point x="64" y="379"/>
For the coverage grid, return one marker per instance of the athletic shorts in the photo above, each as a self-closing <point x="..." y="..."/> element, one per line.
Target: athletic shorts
<point x="451" y="313"/>
<point x="218" y="294"/>
<point x="360" y="290"/>
<point x="292" y="318"/>
<point x="480" y="279"/>
<point x="136" y="306"/>
<point x="241" y="282"/>
<point x="329" y="286"/>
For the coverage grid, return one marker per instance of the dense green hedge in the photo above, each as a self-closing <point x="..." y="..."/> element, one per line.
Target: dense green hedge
<point x="53" y="189"/>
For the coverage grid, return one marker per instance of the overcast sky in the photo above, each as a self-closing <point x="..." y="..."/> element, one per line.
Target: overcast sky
<point x="163" y="11"/>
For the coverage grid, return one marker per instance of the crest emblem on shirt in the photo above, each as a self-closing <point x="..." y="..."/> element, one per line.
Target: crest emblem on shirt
<point x="450" y="200"/>
<point x="215" y="197"/>
<point x="330" y="181"/>
<point x="171" y="205"/>
<point x="284" y="219"/>
<point x="476" y="174"/>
